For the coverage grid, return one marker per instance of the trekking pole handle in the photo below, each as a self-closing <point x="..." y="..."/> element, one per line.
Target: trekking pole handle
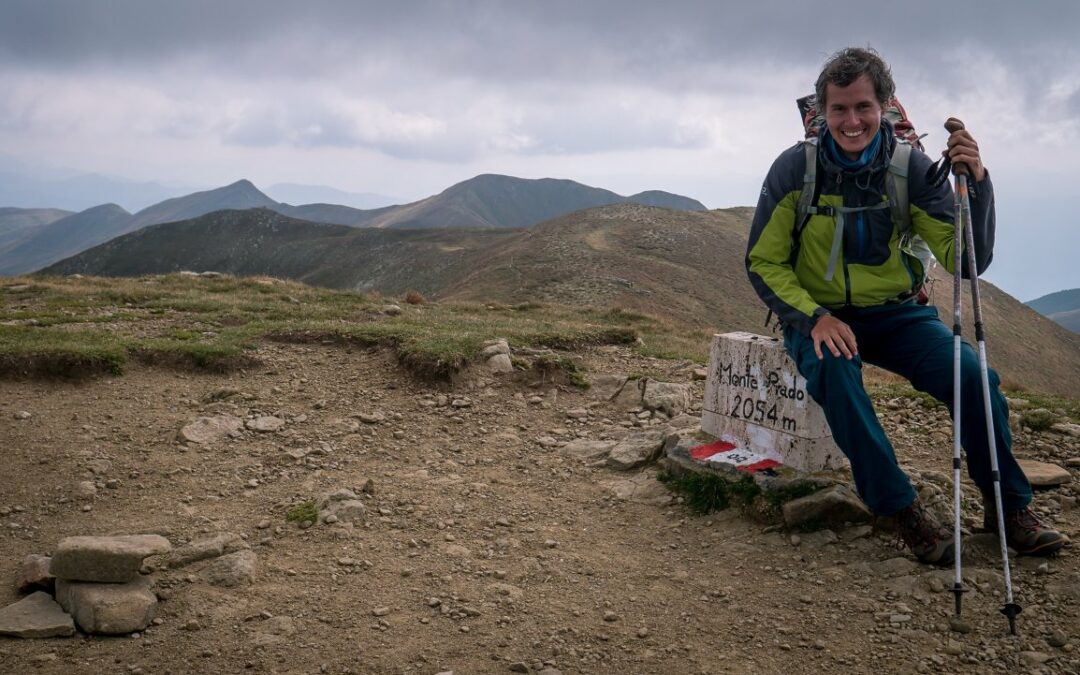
<point x="953" y="125"/>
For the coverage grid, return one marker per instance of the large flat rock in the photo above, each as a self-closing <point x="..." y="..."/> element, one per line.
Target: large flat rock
<point x="105" y="559"/>
<point x="35" y="616"/>
<point x="108" y="609"/>
<point x="1044" y="474"/>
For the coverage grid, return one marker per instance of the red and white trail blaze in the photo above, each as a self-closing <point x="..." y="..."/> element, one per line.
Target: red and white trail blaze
<point x="728" y="453"/>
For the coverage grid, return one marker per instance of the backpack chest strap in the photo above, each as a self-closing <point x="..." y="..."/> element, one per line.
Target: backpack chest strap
<point x="838" y="234"/>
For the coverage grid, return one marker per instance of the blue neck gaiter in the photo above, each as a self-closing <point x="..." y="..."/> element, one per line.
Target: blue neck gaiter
<point x="837" y="156"/>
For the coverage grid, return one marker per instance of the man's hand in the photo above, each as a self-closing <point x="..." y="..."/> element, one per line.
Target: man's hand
<point x="964" y="150"/>
<point x="834" y="334"/>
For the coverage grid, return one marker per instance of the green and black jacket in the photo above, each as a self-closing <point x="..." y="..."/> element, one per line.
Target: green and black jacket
<point x="789" y="275"/>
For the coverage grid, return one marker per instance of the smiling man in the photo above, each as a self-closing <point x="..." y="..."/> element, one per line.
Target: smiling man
<point x="840" y="273"/>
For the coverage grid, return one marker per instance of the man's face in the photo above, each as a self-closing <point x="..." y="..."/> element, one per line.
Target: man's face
<point x="853" y="115"/>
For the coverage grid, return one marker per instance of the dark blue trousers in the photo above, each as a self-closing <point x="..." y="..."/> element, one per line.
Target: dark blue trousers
<point x="910" y="341"/>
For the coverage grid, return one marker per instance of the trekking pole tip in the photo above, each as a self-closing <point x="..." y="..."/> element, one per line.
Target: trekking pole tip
<point x="1010" y="611"/>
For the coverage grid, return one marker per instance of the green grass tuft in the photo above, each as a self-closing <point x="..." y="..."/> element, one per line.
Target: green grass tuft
<point x="303" y="512"/>
<point x="707" y="492"/>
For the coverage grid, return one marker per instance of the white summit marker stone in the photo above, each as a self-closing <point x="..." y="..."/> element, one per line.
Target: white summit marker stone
<point x="756" y="399"/>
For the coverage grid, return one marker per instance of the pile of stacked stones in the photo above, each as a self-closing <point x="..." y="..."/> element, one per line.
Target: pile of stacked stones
<point x="96" y="584"/>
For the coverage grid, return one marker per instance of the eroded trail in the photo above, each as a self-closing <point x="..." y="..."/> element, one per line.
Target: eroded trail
<point x="483" y="548"/>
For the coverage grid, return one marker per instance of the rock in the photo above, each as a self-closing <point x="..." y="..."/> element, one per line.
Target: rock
<point x="635" y="451"/>
<point x="577" y="413"/>
<point x="700" y="374"/>
<point x="376" y="417"/>
<point x="347" y="511"/>
<point x="642" y="489"/>
<point x="1065" y="586"/>
<point x="833" y="506"/>
<point x="208" y="547"/>
<point x="35" y="616"/>
<point x="1057" y="639"/>
<point x="629" y="396"/>
<point x="605" y="387"/>
<point x="959" y="625"/>
<point x="669" y="397"/>
<point x="105" y="559"/>
<point x="34" y="574"/>
<point x="1032" y="659"/>
<point x="22" y="415"/>
<point x="588" y="451"/>
<point x="84" y="491"/>
<point x="391" y="310"/>
<point x="234" y="569"/>
<point x="1066" y="428"/>
<point x="500" y="363"/>
<point x="1043" y="474"/>
<point x="108" y="609"/>
<point x="266" y="424"/>
<point x="495" y="347"/>
<point x="894" y="567"/>
<point x="211" y="429"/>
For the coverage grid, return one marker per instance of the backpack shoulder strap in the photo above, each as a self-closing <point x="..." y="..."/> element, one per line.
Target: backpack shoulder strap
<point x="806" y="197"/>
<point x="896" y="188"/>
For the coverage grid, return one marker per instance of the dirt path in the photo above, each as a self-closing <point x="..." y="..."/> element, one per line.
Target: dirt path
<point x="482" y="551"/>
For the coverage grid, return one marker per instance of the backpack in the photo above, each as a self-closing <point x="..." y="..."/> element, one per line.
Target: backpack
<point x="896" y="191"/>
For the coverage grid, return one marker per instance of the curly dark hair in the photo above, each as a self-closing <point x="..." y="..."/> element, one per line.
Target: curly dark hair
<point x="847" y="65"/>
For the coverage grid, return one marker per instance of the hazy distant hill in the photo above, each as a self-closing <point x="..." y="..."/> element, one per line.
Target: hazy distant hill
<point x="487" y="201"/>
<point x="687" y="266"/>
<point x="64" y="237"/>
<point x="239" y="195"/>
<point x="78" y="192"/>
<point x="17" y="224"/>
<point x="100" y="224"/>
<point x="1062" y="307"/>
<point x="293" y="193"/>
<point x="491" y="200"/>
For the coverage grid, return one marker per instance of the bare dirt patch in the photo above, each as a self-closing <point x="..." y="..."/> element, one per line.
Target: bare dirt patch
<point x="482" y="550"/>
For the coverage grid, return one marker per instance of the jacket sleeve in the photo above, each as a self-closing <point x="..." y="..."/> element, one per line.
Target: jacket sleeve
<point x="933" y="216"/>
<point x="770" y="250"/>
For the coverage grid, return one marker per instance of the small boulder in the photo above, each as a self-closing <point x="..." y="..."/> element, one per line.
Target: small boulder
<point x="669" y="397"/>
<point x="637" y="450"/>
<point x="211" y="429"/>
<point x="266" y="424"/>
<point x="108" y="609"/>
<point x="587" y="451"/>
<point x="230" y="571"/>
<point x="500" y="363"/>
<point x="1044" y="474"/>
<point x="833" y="506"/>
<point x="105" y="559"/>
<point x="36" y="616"/>
<point x="606" y="387"/>
<point x="34" y="574"/>
<point x="206" y="548"/>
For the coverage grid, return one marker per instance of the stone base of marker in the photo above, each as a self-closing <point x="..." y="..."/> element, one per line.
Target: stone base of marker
<point x="756" y="400"/>
<point x="704" y="454"/>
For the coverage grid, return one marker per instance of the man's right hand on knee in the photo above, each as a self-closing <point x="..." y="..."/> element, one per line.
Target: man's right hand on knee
<point x="836" y="335"/>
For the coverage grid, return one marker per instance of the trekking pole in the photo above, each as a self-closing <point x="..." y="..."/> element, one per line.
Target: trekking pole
<point x="958" y="589"/>
<point x="1011" y="609"/>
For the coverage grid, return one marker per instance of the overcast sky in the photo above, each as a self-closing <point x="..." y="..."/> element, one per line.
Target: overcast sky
<point x="406" y="98"/>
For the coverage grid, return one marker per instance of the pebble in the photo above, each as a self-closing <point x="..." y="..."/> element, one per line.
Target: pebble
<point x="643" y="632"/>
<point x="22" y="415"/>
<point x="959" y="625"/>
<point x="953" y="648"/>
<point x="610" y="616"/>
<point x="380" y="611"/>
<point x="1058" y="639"/>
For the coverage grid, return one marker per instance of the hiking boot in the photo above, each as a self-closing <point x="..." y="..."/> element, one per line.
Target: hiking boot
<point x="924" y="535"/>
<point x="1024" y="532"/>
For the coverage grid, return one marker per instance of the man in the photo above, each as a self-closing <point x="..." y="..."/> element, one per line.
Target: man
<point x="846" y="293"/>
